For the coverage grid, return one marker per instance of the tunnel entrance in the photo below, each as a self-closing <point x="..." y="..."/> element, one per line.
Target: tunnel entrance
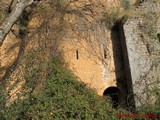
<point x="113" y="93"/>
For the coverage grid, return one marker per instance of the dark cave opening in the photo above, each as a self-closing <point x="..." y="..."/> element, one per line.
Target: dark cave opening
<point x="113" y="94"/>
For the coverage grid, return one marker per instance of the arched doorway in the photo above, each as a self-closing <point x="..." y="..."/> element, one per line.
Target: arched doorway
<point x="113" y="93"/>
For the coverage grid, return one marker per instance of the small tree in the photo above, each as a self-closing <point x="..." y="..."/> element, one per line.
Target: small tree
<point x="15" y="13"/>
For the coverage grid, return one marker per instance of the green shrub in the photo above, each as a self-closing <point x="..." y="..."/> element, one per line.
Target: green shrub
<point x="125" y="4"/>
<point x="60" y="97"/>
<point x="2" y="102"/>
<point x="149" y="24"/>
<point x="2" y="16"/>
<point x="149" y="109"/>
<point x="111" y="18"/>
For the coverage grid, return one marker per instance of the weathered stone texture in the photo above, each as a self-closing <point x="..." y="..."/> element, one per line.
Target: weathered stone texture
<point x="144" y="54"/>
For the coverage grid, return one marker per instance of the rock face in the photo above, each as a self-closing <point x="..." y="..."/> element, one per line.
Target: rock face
<point x="87" y="46"/>
<point x="100" y="50"/>
<point x="92" y="50"/>
<point x="91" y="58"/>
<point x="143" y="47"/>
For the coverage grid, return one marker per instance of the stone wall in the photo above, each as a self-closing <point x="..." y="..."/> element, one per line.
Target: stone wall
<point x="143" y="49"/>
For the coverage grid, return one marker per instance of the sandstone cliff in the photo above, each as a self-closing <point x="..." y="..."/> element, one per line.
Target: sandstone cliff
<point x="106" y="43"/>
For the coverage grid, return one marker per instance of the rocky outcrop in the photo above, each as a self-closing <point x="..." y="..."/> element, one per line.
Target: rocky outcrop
<point x="143" y="48"/>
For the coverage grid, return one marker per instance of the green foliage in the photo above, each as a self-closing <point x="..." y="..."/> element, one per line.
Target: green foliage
<point x="60" y="97"/>
<point x="2" y="102"/>
<point x="150" y="27"/>
<point x="138" y="2"/>
<point x="126" y="4"/>
<point x="151" y="30"/>
<point x="42" y="9"/>
<point x="2" y="16"/>
<point x="54" y="7"/>
<point x="111" y="18"/>
<point x="150" y="109"/>
<point x="60" y="5"/>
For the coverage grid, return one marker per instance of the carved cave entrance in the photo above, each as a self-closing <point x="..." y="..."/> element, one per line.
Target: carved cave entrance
<point x="113" y="94"/>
